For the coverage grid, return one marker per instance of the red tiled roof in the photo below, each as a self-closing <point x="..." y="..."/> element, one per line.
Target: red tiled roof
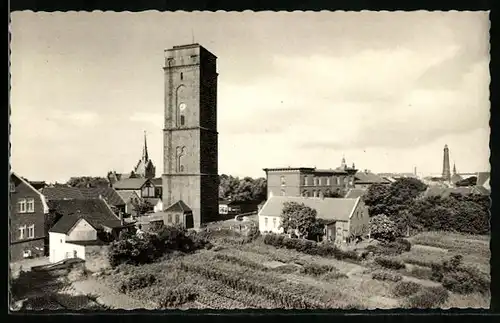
<point x="61" y="193"/>
<point x="94" y="211"/>
<point x="178" y="206"/>
<point x="327" y="208"/>
<point x="130" y="184"/>
<point x="108" y="193"/>
<point x="355" y="193"/>
<point x="369" y="178"/>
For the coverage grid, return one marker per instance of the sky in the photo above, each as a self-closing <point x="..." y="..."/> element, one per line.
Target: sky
<point x="387" y="90"/>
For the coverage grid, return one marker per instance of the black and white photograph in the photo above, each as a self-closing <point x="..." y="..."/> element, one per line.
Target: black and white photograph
<point x="249" y="160"/>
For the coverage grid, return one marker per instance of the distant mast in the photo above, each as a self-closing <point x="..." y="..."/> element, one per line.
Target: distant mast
<point x="446" y="164"/>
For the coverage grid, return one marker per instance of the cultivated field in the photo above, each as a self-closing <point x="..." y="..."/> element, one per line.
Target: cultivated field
<point x="235" y="275"/>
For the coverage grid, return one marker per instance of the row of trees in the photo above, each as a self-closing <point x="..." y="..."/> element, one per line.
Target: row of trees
<point x="244" y="189"/>
<point x="402" y="203"/>
<point x="230" y="187"/>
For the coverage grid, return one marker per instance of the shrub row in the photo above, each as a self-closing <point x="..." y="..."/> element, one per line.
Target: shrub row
<point x="134" y="250"/>
<point x="282" y="298"/>
<point x="175" y="297"/>
<point x="137" y="281"/>
<point x="459" y="278"/>
<point x="406" y="288"/>
<point x="310" y="247"/>
<point x="430" y="297"/>
<point x="390" y="263"/>
<point x="396" y="247"/>
<point x="384" y="275"/>
<point x="241" y="262"/>
<point x="317" y="270"/>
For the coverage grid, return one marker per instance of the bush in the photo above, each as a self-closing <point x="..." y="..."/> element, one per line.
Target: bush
<point x="176" y="297"/>
<point x="382" y="228"/>
<point x="384" y="275"/>
<point x="429" y="297"/>
<point x="310" y="247"/>
<point x="333" y="275"/>
<point x="390" y="263"/>
<point x="421" y="273"/>
<point x="167" y="239"/>
<point x="317" y="270"/>
<point x="406" y="288"/>
<point x="390" y="248"/>
<point x="136" y="282"/>
<point x="459" y="278"/>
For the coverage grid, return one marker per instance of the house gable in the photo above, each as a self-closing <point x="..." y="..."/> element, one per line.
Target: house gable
<point x="35" y="191"/>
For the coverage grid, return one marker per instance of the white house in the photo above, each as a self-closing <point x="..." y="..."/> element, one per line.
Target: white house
<point x="67" y="243"/>
<point x="82" y="223"/>
<point x="344" y="218"/>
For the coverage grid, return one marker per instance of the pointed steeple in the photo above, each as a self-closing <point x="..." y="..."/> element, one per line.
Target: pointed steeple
<point x="343" y="163"/>
<point x="145" y="156"/>
<point x="454" y="169"/>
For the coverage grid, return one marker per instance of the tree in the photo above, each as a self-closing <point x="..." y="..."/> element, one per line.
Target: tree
<point x="298" y="219"/>
<point x="376" y="198"/>
<point x="88" y="181"/>
<point x="383" y="228"/>
<point x="141" y="206"/>
<point x="241" y="190"/>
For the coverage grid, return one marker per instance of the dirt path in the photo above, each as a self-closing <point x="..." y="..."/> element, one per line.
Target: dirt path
<point x="106" y="296"/>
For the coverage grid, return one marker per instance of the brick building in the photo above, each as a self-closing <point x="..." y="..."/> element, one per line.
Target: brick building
<point x="28" y="210"/>
<point x="190" y="134"/>
<point x="313" y="182"/>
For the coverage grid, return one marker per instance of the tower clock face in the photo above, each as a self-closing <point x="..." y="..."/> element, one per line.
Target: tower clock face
<point x="182" y="106"/>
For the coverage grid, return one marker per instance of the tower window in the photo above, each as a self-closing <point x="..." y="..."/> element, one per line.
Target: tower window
<point x="182" y="120"/>
<point x="182" y="76"/>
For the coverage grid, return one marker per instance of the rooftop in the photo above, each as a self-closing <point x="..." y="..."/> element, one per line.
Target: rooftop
<point x="327" y="208"/>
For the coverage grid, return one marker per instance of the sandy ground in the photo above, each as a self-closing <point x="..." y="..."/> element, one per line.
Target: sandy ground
<point x="108" y="297"/>
<point x="27" y="264"/>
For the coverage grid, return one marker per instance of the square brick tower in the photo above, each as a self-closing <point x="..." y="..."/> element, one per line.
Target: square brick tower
<point x="190" y="134"/>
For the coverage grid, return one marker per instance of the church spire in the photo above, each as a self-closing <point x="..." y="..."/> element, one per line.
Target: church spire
<point x="454" y="169"/>
<point x="343" y="163"/>
<point x="145" y="156"/>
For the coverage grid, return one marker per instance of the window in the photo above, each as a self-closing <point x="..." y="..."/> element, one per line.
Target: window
<point x="319" y="181"/>
<point x="30" y="205"/>
<point x="283" y="192"/>
<point x="265" y="222"/>
<point x="12" y="187"/>
<point x="338" y="181"/>
<point x="306" y="180"/>
<point x="21" y="206"/>
<point x="182" y="120"/>
<point x="328" y="181"/>
<point x="180" y="152"/>
<point x="177" y="218"/>
<point x="274" y="223"/>
<point x="182" y="76"/>
<point x="22" y="232"/>
<point x="315" y="194"/>
<point x="283" y="181"/>
<point x="31" y="231"/>
<point x="169" y="220"/>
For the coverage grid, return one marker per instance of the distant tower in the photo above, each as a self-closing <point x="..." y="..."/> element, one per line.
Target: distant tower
<point x="145" y="167"/>
<point x="343" y="163"/>
<point x="446" y="164"/>
<point x="190" y="148"/>
<point x="454" y="169"/>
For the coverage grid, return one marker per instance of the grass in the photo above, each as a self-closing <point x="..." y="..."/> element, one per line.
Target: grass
<point x="324" y="284"/>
